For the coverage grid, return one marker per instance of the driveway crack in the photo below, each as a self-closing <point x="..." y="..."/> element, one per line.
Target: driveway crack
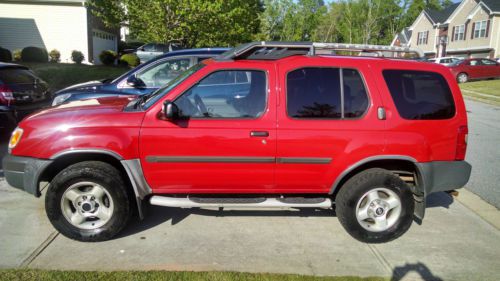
<point x="39" y="250"/>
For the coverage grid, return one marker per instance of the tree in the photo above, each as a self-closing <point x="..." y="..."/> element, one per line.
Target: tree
<point x="289" y="20"/>
<point x="196" y="23"/>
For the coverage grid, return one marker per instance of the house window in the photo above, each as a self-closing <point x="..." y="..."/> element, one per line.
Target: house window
<point x="480" y="29"/>
<point x="459" y="32"/>
<point x="422" y="38"/>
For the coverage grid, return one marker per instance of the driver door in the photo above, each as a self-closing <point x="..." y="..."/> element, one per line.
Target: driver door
<point x="225" y="141"/>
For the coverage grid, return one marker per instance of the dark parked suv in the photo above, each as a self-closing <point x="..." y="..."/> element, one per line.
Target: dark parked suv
<point x="21" y="93"/>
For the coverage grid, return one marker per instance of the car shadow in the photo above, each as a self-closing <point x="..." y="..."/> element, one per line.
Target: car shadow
<point x="400" y="272"/>
<point x="156" y="215"/>
<point x="439" y="199"/>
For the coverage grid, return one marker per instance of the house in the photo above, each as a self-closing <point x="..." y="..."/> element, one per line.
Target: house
<point x="65" y="25"/>
<point x="470" y="28"/>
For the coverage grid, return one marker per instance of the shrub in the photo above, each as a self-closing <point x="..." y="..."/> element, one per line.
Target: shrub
<point x="107" y="57"/>
<point x="77" y="56"/>
<point x="34" y="54"/>
<point x="130" y="60"/>
<point x="55" y="56"/>
<point x="17" y="55"/>
<point x="5" y="55"/>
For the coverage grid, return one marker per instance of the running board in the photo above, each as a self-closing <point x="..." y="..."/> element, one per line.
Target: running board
<point x="186" y="202"/>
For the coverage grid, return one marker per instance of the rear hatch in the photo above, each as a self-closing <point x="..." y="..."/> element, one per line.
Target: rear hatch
<point x="22" y="90"/>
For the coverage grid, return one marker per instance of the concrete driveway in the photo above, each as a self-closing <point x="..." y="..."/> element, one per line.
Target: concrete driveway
<point x="454" y="242"/>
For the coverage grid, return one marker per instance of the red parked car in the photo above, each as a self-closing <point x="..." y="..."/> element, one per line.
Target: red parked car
<point x="470" y="69"/>
<point x="264" y="125"/>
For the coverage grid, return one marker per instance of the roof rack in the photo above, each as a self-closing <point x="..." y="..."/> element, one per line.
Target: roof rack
<point x="276" y="50"/>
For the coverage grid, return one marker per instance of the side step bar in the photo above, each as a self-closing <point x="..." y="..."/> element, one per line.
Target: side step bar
<point x="185" y="202"/>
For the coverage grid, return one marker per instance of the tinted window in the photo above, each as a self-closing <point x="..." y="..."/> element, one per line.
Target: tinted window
<point x="488" y="62"/>
<point x="355" y="96"/>
<point x="226" y="94"/>
<point x="163" y="72"/>
<point x="474" y="62"/>
<point x="316" y="93"/>
<point x="420" y="95"/>
<point x="149" y="47"/>
<point x="16" y="76"/>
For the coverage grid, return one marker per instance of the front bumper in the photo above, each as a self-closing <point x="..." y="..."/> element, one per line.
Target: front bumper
<point x="24" y="172"/>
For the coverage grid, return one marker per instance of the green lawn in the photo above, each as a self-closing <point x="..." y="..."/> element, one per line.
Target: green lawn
<point x="42" y="275"/>
<point x="486" y="90"/>
<point x="61" y="75"/>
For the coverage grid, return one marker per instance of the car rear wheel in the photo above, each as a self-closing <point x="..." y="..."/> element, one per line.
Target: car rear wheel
<point x="88" y="202"/>
<point x="462" y="77"/>
<point x="375" y="206"/>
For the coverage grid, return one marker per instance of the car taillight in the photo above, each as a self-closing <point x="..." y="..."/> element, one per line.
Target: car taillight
<point x="462" y="135"/>
<point x="6" y="96"/>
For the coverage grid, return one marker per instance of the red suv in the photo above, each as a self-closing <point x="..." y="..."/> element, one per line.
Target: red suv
<point x="265" y="125"/>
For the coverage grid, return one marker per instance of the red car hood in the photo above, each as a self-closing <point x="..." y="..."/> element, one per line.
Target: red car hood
<point x="99" y="112"/>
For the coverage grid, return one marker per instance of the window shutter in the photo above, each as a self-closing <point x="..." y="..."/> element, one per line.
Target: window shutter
<point x="427" y="37"/>
<point x="487" y="28"/>
<point x="465" y="30"/>
<point x="452" y="34"/>
<point x="472" y="31"/>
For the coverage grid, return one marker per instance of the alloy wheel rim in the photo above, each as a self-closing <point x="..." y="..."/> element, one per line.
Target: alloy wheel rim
<point x="462" y="78"/>
<point x="87" y="205"/>
<point x="378" y="209"/>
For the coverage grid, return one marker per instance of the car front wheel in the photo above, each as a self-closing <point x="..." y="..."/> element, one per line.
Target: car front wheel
<point x="375" y="206"/>
<point x="88" y="202"/>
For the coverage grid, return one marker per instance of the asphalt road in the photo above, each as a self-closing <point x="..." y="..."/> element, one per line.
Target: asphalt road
<point x="483" y="150"/>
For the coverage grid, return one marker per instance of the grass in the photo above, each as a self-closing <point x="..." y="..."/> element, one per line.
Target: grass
<point x="487" y="91"/>
<point x="62" y="75"/>
<point x="42" y="275"/>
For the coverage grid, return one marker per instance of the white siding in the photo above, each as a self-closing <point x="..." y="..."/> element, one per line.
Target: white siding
<point x="50" y="26"/>
<point x="101" y="41"/>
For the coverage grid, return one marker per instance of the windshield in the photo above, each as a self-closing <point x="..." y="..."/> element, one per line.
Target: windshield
<point x="158" y="94"/>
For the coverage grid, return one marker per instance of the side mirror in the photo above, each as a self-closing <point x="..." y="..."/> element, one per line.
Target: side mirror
<point x="170" y="110"/>
<point x="135" y="82"/>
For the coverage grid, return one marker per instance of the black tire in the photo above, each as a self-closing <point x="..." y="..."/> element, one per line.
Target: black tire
<point x="108" y="178"/>
<point x="360" y="184"/>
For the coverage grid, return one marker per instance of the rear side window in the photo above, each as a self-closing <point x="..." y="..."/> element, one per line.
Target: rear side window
<point x="420" y="95"/>
<point x="16" y="76"/>
<point x="325" y="93"/>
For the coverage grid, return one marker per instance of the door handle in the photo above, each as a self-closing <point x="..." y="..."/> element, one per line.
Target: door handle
<point x="259" y="134"/>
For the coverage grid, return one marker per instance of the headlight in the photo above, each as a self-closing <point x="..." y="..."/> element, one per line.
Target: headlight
<point x="15" y="137"/>
<point x="60" y="99"/>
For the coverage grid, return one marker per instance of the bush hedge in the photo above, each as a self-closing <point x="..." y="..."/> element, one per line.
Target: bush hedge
<point x="5" y="55"/>
<point x="34" y="54"/>
<point x="107" y="57"/>
<point x="77" y="56"/>
<point x="130" y="60"/>
<point x="55" y="56"/>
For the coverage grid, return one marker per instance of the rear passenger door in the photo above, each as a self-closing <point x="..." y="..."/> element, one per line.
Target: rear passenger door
<point x="327" y="120"/>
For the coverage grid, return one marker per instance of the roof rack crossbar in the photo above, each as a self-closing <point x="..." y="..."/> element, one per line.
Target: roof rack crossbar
<point x="276" y="50"/>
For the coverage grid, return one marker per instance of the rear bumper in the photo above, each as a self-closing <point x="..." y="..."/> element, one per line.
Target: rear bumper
<point x="24" y="172"/>
<point x="443" y="175"/>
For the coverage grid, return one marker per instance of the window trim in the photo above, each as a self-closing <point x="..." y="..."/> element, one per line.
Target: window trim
<point x="422" y="38"/>
<point x="456" y="35"/>
<point x="423" y="71"/>
<point x="265" y="71"/>
<point x="481" y="23"/>
<point x="341" y="78"/>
